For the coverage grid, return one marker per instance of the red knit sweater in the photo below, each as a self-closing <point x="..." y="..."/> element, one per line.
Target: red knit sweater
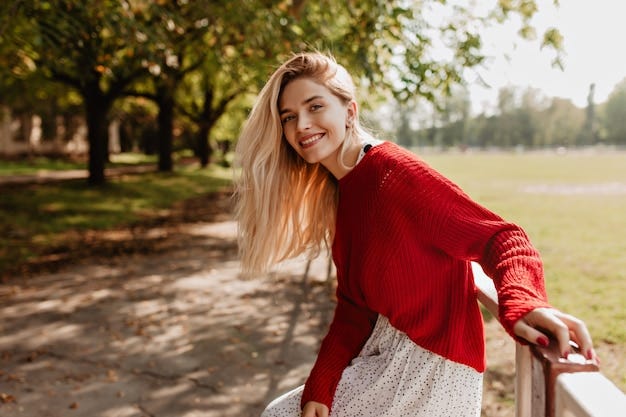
<point x="404" y="240"/>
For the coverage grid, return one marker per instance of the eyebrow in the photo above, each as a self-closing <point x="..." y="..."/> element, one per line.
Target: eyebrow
<point x="308" y="100"/>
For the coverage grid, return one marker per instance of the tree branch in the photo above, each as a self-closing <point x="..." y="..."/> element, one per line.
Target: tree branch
<point x="63" y="77"/>
<point x="139" y="94"/>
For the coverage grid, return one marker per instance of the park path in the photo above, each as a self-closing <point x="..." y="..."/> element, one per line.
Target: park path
<point x="175" y="332"/>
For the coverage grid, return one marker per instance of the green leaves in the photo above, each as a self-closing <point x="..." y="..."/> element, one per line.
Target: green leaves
<point x="615" y="115"/>
<point x="208" y="54"/>
<point x="380" y="41"/>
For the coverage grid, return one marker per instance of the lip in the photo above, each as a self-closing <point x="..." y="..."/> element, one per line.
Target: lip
<point x="310" y="140"/>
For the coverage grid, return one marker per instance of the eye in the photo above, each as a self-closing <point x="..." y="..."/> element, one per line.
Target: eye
<point x="288" y="118"/>
<point x="316" y="107"/>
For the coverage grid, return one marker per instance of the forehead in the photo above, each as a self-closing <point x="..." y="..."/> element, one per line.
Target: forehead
<point x="298" y="91"/>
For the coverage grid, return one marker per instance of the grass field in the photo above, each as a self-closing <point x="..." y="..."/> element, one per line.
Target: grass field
<point x="573" y="206"/>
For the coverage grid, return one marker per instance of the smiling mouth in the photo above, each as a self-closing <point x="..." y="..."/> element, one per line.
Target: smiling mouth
<point x="311" y="140"/>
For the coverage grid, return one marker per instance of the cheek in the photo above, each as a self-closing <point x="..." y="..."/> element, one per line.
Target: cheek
<point x="338" y="129"/>
<point x="289" y="136"/>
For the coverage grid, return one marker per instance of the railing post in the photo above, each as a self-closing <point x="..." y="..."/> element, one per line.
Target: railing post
<point x="523" y="381"/>
<point x="546" y="365"/>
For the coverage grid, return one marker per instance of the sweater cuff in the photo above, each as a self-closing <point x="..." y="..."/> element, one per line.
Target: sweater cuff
<point x="321" y="394"/>
<point x="510" y="315"/>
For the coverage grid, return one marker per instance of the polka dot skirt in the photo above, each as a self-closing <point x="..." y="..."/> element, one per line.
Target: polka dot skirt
<point x="394" y="377"/>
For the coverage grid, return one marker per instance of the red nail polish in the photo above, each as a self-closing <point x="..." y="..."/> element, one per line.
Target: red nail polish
<point x="543" y="341"/>
<point x="565" y="354"/>
<point x="591" y="354"/>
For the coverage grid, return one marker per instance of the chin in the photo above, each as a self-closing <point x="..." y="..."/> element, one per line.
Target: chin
<point x="311" y="159"/>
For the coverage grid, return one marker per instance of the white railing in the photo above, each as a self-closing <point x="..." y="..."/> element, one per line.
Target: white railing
<point x="549" y="386"/>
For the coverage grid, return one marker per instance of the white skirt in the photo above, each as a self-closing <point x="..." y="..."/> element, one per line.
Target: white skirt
<point x="394" y="377"/>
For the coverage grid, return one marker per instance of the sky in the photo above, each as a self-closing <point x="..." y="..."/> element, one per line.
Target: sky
<point x="594" y="34"/>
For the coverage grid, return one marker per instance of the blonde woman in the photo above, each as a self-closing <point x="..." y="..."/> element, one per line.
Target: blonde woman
<point x="406" y="338"/>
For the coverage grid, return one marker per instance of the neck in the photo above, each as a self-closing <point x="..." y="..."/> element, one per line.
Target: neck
<point x="339" y="170"/>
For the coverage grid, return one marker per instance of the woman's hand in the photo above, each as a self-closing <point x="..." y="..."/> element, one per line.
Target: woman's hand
<point x="314" y="409"/>
<point x="562" y="326"/>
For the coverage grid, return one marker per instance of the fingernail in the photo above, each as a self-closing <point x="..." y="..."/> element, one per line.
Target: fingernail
<point x="543" y="341"/>
<point x="565" y="354"/>
<point x="591" y="354"/>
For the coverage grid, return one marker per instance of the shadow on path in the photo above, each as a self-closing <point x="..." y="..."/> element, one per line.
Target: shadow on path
<point x="176" y="333"/>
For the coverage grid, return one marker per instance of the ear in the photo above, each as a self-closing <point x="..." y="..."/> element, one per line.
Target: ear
<point x="352" y="113"/>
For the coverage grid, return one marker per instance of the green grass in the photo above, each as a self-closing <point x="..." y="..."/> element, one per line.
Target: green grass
<point x="41" y="163"/>
<point x="34" y="216"/>
<point x="578" y="229"/>
<point x="37" y="164"/>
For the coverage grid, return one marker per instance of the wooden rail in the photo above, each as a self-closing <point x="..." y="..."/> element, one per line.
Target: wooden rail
<point x="547" y="385"/>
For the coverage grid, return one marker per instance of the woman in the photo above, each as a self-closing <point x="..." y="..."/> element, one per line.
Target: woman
<point x="406" y="338"/>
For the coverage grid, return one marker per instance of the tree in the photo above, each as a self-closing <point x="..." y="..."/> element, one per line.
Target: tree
<point x="177" y="30"/>
<point x="588" y="133"/>
<point x="454" y="116"/>
<point x="240" y="46"/>
<point x="97" y="47"/>
<point x="615" y="115"/>
<point x="404" y="134"/>
<point x="562" y="123"/>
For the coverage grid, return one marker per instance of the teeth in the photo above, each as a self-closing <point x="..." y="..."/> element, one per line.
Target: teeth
<point x="311" y="139"/>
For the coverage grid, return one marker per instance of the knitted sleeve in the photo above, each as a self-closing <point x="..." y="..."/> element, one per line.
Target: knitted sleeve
<point x="449" y="220"/>
<point x="348" y="332"/>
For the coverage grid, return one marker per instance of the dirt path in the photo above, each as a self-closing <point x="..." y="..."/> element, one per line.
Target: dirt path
<point x="174" y="332"/>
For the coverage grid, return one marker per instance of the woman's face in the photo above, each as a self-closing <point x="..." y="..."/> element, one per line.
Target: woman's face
<point x="314" y="122"/>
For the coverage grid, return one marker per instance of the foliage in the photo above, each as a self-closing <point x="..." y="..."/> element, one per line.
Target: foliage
<point x="523" y="119"/>
<point x="615" y="117"/>
<point x="562" y="123"/>
<point x="204" y="54"/>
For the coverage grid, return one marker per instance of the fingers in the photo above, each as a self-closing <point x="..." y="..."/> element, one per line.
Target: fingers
<point x="563" y="327"/>
<point x="559" y="330"/>
<point x="530" y="334"/>
<point x="579" y="334"/>
<point x="314" y="409"/>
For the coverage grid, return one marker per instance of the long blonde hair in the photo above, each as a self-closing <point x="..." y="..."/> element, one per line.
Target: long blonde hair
<point x="285" y="206"/>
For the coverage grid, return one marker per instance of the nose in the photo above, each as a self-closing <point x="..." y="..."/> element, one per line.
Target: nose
<point x="304" y="122"/>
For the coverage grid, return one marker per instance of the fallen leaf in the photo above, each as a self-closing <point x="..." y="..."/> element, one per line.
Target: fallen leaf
<point x="112" y="375"/>
<point x="7" y="398"/>
<point x="14" y="378"/>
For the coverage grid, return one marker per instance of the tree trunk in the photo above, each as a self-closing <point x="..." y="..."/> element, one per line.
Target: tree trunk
<point x="205" y="151"/>
<point x="164" y="136"/>
<point x="96" y="109"/>
<point x="208" y="119"/>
